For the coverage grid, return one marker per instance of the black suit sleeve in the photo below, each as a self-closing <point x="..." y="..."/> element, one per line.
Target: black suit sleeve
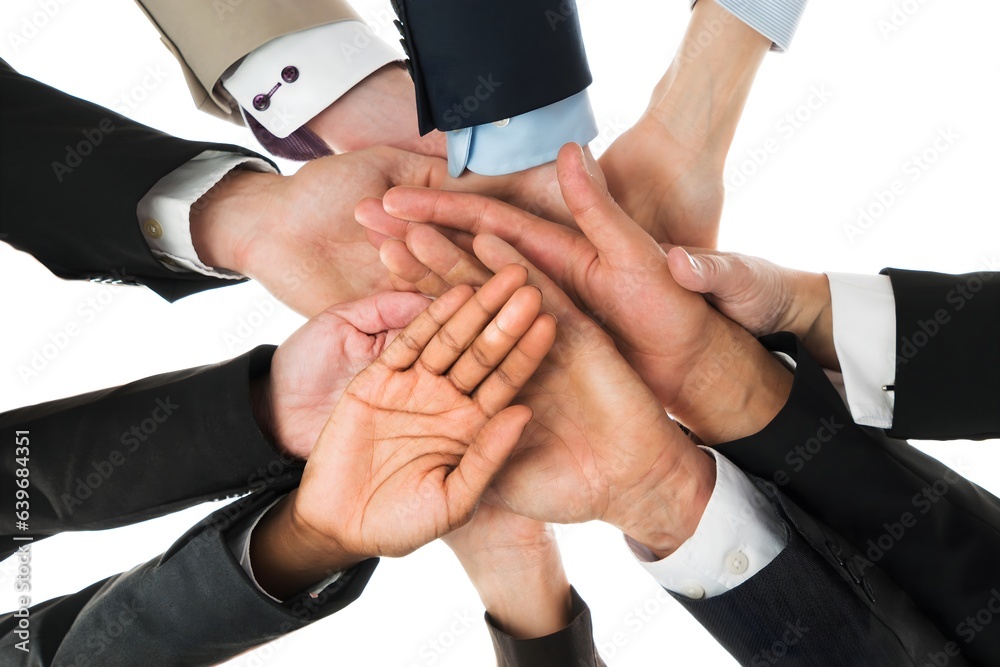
<point x="573" y="646"/>
<point x="947" y="355"/>
<point x="130" y="453"/>
<point x="812" y="606"/>
<point x="71" y="177"/>
<point x="936" y="534"/>
<point x="194" y="605"/>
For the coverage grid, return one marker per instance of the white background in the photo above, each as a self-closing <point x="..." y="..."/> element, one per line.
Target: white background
<point x="891" y="92"/>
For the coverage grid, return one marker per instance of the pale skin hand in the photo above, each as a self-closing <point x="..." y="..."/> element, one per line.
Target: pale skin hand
<point x="666" y="172"/>
<point x="312" y="368"/>
<point x="683" y="349"/>
<point x="379" y="111"/>
<point x="763" y="297"/>
<point x="297" y="235"/>
<point x="416" y="439"/>
<point x="572" y="464"/>
<point x="514" y="564"/>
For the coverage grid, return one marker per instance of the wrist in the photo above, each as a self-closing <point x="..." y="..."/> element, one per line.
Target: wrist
<point x="813" y="322"/>
<point x="737" y="388"/>
<point x="288" y="555"/>
<point x="531" y="599"/>
<point x="669" y="511"/>
<point x="226" y="218"/>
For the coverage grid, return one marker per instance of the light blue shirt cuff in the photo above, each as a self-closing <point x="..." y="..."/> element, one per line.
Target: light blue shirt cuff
<point x="775" y="19"/>
<point x="524" y="141"/>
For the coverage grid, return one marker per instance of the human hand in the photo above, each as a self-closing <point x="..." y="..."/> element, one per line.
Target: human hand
<point x="514" y="564"/>
<point x="415" y="440"/>
<point x="297" y="235"/>
<point x="762" y="297"/>
<point x="683" y="349"/>
<point x="600" y="446"/>
<point x="311" y="369"/>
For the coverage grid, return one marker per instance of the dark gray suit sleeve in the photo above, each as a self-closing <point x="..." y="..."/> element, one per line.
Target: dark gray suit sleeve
<point x="131" y="453"/>
<point x="194" y="605"/>
<point x="573" y="646"/>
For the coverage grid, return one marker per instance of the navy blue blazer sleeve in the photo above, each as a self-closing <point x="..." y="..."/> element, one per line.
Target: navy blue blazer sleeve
<point x="71" y="177"/>
<point x="947" y="355"/>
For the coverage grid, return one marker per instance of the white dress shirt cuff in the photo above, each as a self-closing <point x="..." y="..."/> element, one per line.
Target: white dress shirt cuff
<point x="777" y="20"/>
<point x="738" y="536"/>
<point x="303" y="73"/>
<point x="239" y="543"/>
<point x="864" y="334"/>
<point x="165" y="212"/>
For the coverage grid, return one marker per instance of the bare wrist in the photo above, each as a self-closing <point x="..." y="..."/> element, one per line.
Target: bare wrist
<point x="815" y="326"/>
<point x="527" y="602"/>
<point x="669" y="513"/>
<point x="737" y="388"/>
<point x="225" y="219"/>
<point x="288" y="556"/>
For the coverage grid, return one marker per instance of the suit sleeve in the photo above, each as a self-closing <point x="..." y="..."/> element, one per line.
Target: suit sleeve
<point x="573" y="646"/>
<point x="947" y="355"/>
<point x="72" y="176"/>
<point x="817" y="604"/>
<point x="131" y="453"/>
<point x="933" y="532"/>
<point x="207" y="38"/>
<point x="194" y="605"/>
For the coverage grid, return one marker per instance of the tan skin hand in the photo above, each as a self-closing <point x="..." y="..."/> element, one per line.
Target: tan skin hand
<point x="416" y="439"/>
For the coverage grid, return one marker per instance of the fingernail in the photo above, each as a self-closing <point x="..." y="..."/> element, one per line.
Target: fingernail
<point x="695" y="264"/>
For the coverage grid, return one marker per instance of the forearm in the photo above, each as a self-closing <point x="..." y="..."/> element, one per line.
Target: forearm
<point x="703" y="92"/>
<point x="527" y="598"/>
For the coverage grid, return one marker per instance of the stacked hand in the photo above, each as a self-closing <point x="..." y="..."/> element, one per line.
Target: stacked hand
<point x="416" y="439"/>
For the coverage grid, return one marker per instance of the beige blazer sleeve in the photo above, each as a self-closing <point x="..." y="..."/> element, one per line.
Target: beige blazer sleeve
<point x="207" y="38"/>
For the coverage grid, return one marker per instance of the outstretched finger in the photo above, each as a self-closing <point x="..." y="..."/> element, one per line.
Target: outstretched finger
<point x="442" y="257"/>
<point x="482" y="461"/>
<point x="407" y="347"/>
<point x="457" y="334"/>
<point x="503" y="384"/>
<point x="401" y="263"/>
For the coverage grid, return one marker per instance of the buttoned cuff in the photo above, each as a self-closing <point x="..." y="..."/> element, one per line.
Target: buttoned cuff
<point x="738" y="536"/>
<point x="164" y="214"/>
<point x="864" y="335"/>
<point x="775" y="19"/>
<point x="291" y="79"/>
<point x="239" y="543"/>
<point x="524" y="141"/>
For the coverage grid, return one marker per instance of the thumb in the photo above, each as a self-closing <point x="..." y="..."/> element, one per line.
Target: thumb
<point x="716" y="274"/>
<point x="482" y="462"/>
<point x="600" y="219"/>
